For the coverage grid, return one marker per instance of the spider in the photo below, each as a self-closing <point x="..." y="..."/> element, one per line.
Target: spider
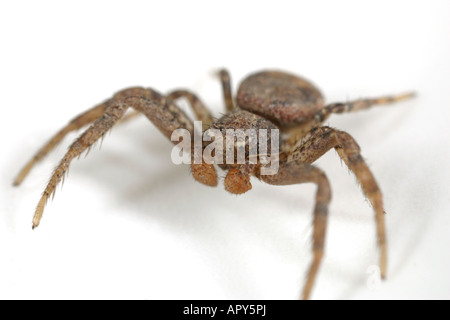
<point x="265" y="100"/>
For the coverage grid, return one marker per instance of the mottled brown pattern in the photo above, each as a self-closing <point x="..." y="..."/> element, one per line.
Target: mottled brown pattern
<point x="358" y="105"/>
<point x="322" y="139"/>
<point x="244" y="120"/>
<point x="146" y="101"/>
<point x="270" y="100"/>
<point x="226" y="88"/>
<point x="284" y="98"/>
<point x="296" y="172"/>
<point x="201" y="112"/>
<point x="76" y="124"/>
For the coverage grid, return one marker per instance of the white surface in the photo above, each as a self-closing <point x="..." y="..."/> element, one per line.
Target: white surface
<point x="130" y="224"/>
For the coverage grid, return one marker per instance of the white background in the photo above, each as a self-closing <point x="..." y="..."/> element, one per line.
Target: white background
<point x="130" y="224"/>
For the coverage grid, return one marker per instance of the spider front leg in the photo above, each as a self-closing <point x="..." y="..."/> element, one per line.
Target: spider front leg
<point x="202" y="113"/>
<point x="296" y="172"/>
<point x="166" y="117"/>
<point x="76" y="124"/>
<point x="322" y="139"/>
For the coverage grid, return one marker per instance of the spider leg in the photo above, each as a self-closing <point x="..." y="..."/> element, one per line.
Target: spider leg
<point x="296" y="172"/>
<point x="322" y="139"/>
<point x="77" y="123"/>
<point x="129" y="116"/>
<point x="166" y="117"/>
<point x="201" y="111"/>
<point x="358" y="105"/>
<point x="225" y="79"/>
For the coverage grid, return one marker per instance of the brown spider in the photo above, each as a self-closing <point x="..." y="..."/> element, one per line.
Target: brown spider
<point x="265" y="100"/>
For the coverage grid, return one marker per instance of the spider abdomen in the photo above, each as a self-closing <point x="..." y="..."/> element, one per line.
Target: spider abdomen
<point x="284" y="98"/>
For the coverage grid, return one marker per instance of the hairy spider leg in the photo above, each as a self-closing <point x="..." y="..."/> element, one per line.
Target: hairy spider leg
<point x="322" y="139"/>
<point x="202" y="113"/>
<point x="75" y="124"/>
<point x="226" y="86"/>
<point x="358" y="105"/>
<point x="166" y="117"/>
<point x="296" y="172"/>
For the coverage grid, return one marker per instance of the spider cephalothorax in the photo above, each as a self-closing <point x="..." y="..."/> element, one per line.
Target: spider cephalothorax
<point x="268" y="100"/>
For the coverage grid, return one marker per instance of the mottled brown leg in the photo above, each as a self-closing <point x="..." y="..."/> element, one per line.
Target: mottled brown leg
<point x="200" y="110"/>
<point x="358" y="105"/>
<point x="203" y="172"/>
<point x="296" y="172"/>
<point x="322" y="139"/>
<point x="226" y="86"/>
<point x="167" y="117"/>
<point x="76" y="124"/>
<point x="129" y="116"/>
